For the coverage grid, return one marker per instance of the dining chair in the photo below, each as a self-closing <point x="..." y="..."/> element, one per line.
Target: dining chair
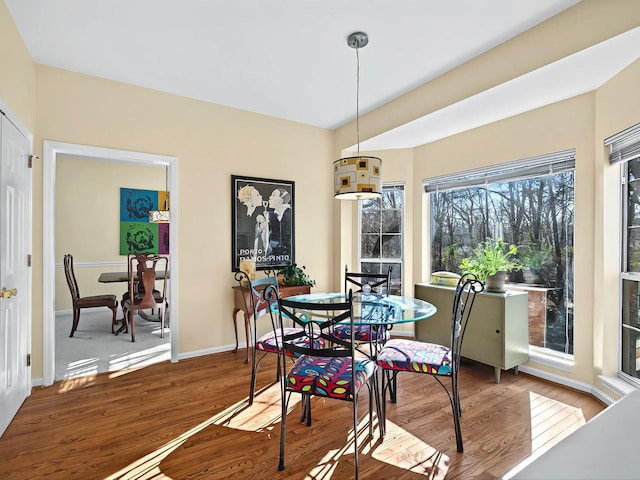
<point x="377" y="283"/>
<point x="140" y="287"/>
<point x="325" y="365"/>
<point x="79" y="302"/>
<point x="439" y="361"/>
<point x="144" y="270"/>
<point x="258" y="306"/>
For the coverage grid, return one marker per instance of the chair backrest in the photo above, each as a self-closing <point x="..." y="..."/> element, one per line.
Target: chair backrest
<point x="466" y="290"/>
<point x="257" y="303"/>
<point x="71" y="277"/>
<point x="144" y="270"/>
<point x="316" y="322"/>
<point x="376" y="282"/>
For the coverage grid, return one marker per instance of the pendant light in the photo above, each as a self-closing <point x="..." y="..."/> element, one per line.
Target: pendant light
<point x="359" y="177"/>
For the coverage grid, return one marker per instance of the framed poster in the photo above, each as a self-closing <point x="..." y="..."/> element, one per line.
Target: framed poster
<point x="262" y="222"/>
<point x="137" y="234"/>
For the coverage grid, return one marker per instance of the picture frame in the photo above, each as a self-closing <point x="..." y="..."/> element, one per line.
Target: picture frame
<point x="262" y="222"/>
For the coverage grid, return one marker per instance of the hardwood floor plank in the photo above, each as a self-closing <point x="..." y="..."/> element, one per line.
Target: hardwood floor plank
<point x="190" y="420"/>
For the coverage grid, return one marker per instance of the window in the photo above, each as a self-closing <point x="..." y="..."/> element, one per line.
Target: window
<point x="381" y="234"/>
<point x="528" y="203"/>
<point x="625" y="148"/>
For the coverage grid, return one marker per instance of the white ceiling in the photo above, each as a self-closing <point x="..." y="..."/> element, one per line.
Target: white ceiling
<point x="289" y="58"/>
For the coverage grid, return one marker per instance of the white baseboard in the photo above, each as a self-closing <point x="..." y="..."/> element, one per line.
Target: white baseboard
<point x="568" y="382"/>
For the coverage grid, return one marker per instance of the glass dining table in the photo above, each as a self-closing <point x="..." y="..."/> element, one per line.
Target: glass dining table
<point x="375" y="310"/>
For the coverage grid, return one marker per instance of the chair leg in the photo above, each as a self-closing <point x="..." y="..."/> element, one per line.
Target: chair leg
<point x="133" y="331"/>
<point x="457" y="413"/>
<point x="113" y="319"/>
<point x="284" y="402"/>
<point x="252" y="387"/>
<point x="355" y="433"/>
<point x="393" y="387"/>
<point x="76" y="319"/>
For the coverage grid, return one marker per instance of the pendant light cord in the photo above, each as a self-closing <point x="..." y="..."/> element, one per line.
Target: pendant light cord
<point x="358" y="97"/>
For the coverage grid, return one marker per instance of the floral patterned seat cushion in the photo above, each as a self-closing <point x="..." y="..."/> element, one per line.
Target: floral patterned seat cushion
<point x="362" y="333"/>
<point x="328" y="377"/>
<point x="413" y="356"/>
<point x="273" y="344"/>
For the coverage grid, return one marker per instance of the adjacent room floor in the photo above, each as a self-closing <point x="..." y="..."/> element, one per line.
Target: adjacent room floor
<point x="94" y="349"/>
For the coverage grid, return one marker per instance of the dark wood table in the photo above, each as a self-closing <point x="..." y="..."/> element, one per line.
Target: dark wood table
<point x="116" y="277"/>
<point x="239" y="306"/>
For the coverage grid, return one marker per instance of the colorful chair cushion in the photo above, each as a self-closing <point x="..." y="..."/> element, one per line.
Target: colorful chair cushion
<point x="270" y="343"/>
<point x="413" y="356"/>
<point x="362" y="333"/>
<point x="328" y="377"/>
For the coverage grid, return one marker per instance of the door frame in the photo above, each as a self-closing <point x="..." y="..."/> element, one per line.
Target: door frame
<point x="51" y="150"/>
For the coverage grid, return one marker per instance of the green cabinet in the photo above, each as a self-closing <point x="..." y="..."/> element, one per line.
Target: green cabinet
<point x="498" y="331"/>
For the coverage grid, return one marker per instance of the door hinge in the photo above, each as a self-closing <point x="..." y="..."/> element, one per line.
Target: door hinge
<point x="28" y="260"/>
<point x="31" y="157"/>
<point x="28" y="359"/>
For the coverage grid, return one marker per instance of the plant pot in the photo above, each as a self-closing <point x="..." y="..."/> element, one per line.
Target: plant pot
<point x="495" y="283"/>
<point x="530" y="275"/>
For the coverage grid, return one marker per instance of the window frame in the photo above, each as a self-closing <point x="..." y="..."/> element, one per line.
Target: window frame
<point x="389" y="186"/>
<point x="518" y="170"/>
<point x="624" y="147"/>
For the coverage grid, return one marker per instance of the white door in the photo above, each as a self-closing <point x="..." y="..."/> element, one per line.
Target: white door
<point x="15" y="241"/>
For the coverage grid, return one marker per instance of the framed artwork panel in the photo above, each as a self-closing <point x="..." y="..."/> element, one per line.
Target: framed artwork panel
<point x="262" y="222"/>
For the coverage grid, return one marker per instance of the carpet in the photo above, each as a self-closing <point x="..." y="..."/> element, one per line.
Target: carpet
<point x="94" y="349"/>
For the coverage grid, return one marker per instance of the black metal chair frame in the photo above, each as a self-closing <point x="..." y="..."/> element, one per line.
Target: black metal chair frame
<point x="378" y="283"/>
<point x="259" y="305"/>
<point x="359" y="280"/>
<point x="330" y="314"/>
<point x="467" y="288"/>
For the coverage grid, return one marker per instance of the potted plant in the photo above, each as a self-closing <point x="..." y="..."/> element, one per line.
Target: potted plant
<point x="490" y="261"/>
<point x="294" y="276"/>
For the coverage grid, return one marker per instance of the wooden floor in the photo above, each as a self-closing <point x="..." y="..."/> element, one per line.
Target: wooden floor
<point x="190" y="420"/>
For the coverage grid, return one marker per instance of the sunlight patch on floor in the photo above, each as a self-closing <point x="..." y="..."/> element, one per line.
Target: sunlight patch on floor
<point x="399" y="448"/>
<point x="551" y="421"/>
<point x="405" y="451"/>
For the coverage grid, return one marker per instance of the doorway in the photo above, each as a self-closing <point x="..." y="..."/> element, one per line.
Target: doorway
<point x="51" y="151"/>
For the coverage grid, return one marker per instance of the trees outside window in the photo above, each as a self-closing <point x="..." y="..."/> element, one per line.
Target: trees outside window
<point x="536" y="214"/>
<point x="381" y="234"/>
<point x="630" y="361"/>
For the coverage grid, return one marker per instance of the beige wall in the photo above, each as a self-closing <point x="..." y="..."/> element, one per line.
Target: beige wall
<point x="617" y="107"/>
<point x="18" y="78"/>
<point x="211" y="143"/>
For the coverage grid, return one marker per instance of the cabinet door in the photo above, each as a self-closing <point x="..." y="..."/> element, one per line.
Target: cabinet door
<point x="484" y="339"/>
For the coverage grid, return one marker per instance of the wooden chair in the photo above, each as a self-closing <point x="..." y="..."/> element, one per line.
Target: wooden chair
<point x="140" y="287"/>
<point x="144" y="270"/>
<point x="109" y="301"/>
<point x="325" y="365"/>
<point x="401" y="355"/>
